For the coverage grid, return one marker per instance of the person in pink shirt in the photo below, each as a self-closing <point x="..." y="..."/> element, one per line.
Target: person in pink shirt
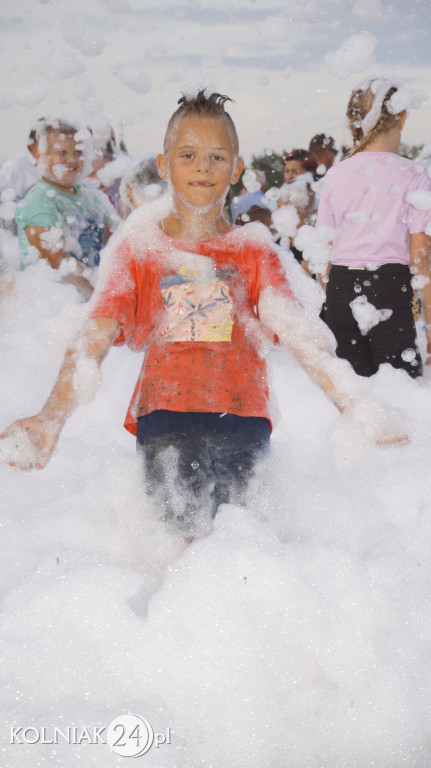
<point x="374" y="203"/>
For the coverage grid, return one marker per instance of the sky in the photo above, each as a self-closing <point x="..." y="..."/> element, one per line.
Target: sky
<point x="130" y="59"/>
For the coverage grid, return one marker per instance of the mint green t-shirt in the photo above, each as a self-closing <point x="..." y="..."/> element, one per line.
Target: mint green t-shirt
<point x="77" y="221"/>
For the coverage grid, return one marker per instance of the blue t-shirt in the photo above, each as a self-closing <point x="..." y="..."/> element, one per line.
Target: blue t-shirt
<point x="77" y="221"/>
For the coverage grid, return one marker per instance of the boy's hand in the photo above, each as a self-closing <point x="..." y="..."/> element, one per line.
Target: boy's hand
<point x="29" y="443"/>
<point x="363" y="425"/>
<point x="392" y="440"/>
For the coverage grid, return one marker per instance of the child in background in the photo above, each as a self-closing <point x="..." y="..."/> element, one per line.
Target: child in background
<point x="322" y="147"/>
<point x="110" y="163"/>
<point x="183" y="284"/>
<point x="60" y="217"/>
<point x="17" y="176"/>
<point x="254" y="195"/>
<point x="299" y="169"/>
<point x="296" y="192"/>
<point x="140" y="185"/>
<point x="256" y="213"/>
<point x="20" y="173"/>
<point x="369" y="199"/>
<point x="103" y="149"/>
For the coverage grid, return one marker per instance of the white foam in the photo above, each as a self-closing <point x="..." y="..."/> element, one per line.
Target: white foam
<point x="355" y="55"/>
<point x="134" y="75"/>
<point x="296" y="633"/>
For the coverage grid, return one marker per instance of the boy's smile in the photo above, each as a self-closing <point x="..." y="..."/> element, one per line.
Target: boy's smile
<point x="201" y="163"/>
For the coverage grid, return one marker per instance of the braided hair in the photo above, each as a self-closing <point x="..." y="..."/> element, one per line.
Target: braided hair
<point x="360" y="104"/>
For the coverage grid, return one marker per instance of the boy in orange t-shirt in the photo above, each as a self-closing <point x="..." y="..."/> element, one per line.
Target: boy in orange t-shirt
<point x="203" y="387"/>
<point x="180" y="282"/>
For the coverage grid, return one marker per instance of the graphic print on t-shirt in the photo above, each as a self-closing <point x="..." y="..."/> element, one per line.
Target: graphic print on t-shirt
<point x="197" y="309"/>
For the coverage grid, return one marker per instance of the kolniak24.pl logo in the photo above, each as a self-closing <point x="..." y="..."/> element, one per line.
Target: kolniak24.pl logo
<point x="127" y="735"/>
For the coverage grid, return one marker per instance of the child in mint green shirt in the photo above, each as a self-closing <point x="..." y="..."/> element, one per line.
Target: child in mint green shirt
<point x="60" y="217"/>
<point x="78" y="221"/>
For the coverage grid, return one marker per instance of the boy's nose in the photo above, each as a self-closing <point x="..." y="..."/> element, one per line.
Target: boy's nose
<point x="203" y="163"/>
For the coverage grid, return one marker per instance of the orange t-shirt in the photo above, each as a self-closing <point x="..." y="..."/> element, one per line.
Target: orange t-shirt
<point x="193" y="308"/>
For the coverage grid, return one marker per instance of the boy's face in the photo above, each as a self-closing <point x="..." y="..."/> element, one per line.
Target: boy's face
<point x="201" y="162"/>
<point x="62" y="161"/>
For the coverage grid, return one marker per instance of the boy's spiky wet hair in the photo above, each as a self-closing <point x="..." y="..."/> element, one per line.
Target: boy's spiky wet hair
<point x="204" y="106"/>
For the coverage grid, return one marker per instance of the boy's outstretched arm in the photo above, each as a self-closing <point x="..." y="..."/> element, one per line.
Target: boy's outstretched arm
<point x="30" y="442"/>
<point x="313" y="345"/>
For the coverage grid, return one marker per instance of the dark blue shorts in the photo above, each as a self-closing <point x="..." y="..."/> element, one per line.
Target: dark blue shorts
<point x="199" y="460"/>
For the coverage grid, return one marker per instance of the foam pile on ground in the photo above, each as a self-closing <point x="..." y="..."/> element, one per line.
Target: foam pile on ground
<point x="297" y="633"/>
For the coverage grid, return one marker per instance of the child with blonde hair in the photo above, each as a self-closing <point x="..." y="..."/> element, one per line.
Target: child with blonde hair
<point x="184" y="285"/>
<point x="373" y="201"/>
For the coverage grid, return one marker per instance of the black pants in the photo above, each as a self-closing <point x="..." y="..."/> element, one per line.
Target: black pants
<point x="196" y="461"/>
<point x="392" y="340"/>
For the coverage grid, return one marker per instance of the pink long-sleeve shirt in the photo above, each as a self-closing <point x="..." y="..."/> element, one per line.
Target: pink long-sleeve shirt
<point x="366" y="200"/>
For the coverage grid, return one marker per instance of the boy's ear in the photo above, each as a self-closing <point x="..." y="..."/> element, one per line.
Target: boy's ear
<point x="162" y="167"/>
<point x="239" y="167"/>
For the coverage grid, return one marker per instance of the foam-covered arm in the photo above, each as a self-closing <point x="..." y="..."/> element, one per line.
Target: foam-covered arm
<point x="30" y="442"/>
<point x="312" y="344"/>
